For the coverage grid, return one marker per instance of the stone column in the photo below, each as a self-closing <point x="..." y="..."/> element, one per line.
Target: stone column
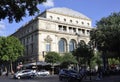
<point x="67" y="50"/>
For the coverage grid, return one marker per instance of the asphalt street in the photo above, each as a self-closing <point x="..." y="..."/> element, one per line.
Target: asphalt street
<point x="111" y="78"/>
<point x="55" y="78"/>
<point x="38" y="79"/>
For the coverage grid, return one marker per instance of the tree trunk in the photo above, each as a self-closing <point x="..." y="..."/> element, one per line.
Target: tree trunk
<point x="52" y="69"/>
<point x="11" y="68"/>
<point x="104" y="60"/>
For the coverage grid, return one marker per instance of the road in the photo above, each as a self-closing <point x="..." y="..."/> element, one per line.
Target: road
<point x="56" y="79"/>
<point x="40" y="79"/>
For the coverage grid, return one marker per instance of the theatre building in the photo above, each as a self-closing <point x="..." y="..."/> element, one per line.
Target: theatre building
<point x="56" y="29"/>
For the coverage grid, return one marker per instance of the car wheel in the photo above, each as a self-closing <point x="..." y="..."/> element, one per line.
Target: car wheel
<point x="18" y="77"/>
<point x="32" y="76"/>
<point x="60" y="78"/>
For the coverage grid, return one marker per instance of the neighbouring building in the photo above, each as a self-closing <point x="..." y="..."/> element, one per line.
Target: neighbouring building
<point x="56" y="29"/>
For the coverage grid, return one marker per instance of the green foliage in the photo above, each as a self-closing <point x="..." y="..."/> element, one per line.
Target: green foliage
<point x="10" y="49"/>
<point x="113" y="61"/>
<point x="16" y="9"/>
<point x="83" y="52"/>
<point x="68" y="59"/>
<point x="97" y="58"/>
<point x="107" y="34"/>
<point x="52" y="57"/>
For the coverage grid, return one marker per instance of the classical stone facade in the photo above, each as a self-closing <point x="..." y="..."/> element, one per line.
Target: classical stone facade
<point x="56" y="29"/>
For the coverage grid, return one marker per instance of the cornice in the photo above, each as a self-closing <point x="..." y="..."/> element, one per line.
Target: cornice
<point x="65" y="23"/>
<point x="64" y="33"/>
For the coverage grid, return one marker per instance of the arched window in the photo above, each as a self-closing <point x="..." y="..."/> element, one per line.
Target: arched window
<point x="62" y="45"/>
<point x="72" y="45"/>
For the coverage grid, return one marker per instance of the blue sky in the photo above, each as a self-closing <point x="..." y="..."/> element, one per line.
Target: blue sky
<point x="94" y="9"/>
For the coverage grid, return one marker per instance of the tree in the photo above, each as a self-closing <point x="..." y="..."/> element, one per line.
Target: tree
<point x="53" y="58"/>
<point x="83" y="53"/>
<point x="106" y="35"/>
<point x="16" y="9"/>
<point x="10" y="49"/>
<point x="96" y="59"/>
<point x="68" y="59"/>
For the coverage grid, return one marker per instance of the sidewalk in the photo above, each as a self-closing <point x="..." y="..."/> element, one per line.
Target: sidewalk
<point x="112" y="78"/>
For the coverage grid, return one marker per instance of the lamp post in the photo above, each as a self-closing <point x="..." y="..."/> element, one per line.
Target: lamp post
<point x="104" y="60"/>
<point x="78" y="35"/>
<point x="36" y="62"/>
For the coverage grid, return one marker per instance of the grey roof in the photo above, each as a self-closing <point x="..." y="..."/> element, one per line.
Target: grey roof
<point x="69" y="12"/>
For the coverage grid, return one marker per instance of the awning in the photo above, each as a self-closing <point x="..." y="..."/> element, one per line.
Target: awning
<point x="36" y="63"/>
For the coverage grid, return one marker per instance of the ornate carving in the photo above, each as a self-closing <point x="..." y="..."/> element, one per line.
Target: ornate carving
<point x="48" y="39"/>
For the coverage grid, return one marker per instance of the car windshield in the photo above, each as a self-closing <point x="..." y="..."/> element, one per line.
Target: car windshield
<point x="42" y="70"/>
<point x="73" y="71"/>
<point x="23" y="71"/>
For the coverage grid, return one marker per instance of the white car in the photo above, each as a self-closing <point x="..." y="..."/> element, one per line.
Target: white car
<point x="24" y="74"/>
<point x="42" y="73"/>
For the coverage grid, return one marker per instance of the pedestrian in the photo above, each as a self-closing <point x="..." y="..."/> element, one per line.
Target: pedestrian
<point x="99" y="73"/>
<point x="0" y="71"/>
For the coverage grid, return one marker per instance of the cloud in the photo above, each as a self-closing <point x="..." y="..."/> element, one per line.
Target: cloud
<point x="49" y="3"/>
<point x="2" y="28"/>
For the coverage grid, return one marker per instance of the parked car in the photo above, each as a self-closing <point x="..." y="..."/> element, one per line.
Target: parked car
<point x="24" y="74"/>
<point x="42" y="73"/>
<point x="71" y="75"/>
<point x="66" y="74"/>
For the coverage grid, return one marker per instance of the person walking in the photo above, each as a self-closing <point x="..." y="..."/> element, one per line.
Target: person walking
<point x="99" y="73"/>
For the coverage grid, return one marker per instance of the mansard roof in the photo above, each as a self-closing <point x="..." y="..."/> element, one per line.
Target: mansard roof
<point x="67" y="11"/>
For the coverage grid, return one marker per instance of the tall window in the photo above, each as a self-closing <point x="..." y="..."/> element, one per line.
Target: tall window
<point x="62" y="45"/>
<point x="60" y="27"/>
<point x="27" y="50"/>
<point x="48" y="41"/>
<point x="48" y="47"/>
<point x="72" y="45"/>
<point x="32" y="48"/>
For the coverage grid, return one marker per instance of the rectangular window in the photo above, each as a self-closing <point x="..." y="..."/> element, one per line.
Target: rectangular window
<point x="70" y="30"/>
<point x="64" y="28"/>
<point x="74" y="30"/>
<point x="83" y="31"/>
<point x="79" y="30"/>
<point x="48" y="47"/>
<point x="31" y="48"/>
<point x="88" y="32"/>
<point x="32" y="38"/>
<point x="60" y="27"/>
<point x="26" y="49"/>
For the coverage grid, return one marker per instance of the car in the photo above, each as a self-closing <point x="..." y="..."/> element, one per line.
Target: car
<point x="71" y="75"/>
<point x="24" y="74"/>
<point x="66" y="74"/>
<point x="43" y="73"/>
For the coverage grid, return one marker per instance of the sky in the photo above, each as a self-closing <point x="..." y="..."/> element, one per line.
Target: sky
<point x="94" y="9"/>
